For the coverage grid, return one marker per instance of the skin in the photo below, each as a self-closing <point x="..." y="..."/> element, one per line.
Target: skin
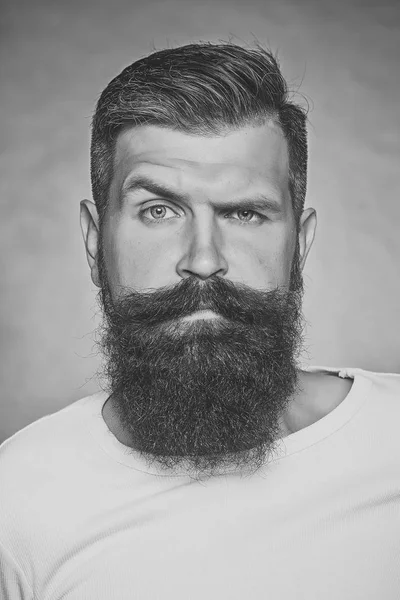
<point x="196" y="235"/>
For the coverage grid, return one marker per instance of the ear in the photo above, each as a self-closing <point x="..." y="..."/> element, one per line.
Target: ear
<point x="90" y="233"/>
<point x="308" y="224"/>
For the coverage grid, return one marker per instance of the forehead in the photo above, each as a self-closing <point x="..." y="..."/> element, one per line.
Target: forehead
<point x="250" y="156"/>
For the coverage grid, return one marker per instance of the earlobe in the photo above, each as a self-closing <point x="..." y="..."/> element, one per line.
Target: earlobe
<point x="308" y="224"/>
<point x="90" y="232"/>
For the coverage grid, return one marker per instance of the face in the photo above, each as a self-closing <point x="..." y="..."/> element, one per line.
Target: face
<point x="187" y="214"/>
<point x="182" y="205"/>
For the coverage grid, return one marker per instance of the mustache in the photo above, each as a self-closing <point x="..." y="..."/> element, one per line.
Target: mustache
<point x="233" y="301"/>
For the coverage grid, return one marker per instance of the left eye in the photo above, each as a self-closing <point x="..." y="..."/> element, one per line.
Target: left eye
<point x="247" y="214"/>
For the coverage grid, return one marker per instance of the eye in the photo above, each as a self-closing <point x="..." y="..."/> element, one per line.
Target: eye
<point x="247" y="215"/>
<point x="157" y="212"/>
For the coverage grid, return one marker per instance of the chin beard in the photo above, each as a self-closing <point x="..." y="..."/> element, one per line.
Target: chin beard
<point x="203" y="395"/>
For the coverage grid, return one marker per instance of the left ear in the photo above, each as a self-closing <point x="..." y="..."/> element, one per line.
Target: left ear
<point x="308" y="224"/>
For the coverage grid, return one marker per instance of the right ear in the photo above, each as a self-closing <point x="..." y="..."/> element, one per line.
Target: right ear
<point x="91" y="236"/>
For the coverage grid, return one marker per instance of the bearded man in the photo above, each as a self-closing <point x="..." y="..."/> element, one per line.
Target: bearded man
<point x="212" y="465"/>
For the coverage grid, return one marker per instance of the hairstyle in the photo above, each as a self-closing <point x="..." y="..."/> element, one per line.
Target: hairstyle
<point x="201" y="89"/>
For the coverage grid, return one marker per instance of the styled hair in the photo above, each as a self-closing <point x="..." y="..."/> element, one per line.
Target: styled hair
<point x="201" y="89"/>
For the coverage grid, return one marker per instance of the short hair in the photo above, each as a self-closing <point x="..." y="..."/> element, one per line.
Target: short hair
<point x="200" y="89"/>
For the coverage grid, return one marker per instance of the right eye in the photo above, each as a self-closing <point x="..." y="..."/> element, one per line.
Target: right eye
<point x="157" y="212"/>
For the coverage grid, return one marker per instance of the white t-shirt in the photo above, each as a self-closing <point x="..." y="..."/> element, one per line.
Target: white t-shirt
<point x="81" y="518"/>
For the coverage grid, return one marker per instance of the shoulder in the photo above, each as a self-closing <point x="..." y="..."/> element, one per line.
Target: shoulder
<point x="38" y="433"/>
<point x="328" y="387"/>
<point x="38" y="465"/>
<point x="31" y="454"/>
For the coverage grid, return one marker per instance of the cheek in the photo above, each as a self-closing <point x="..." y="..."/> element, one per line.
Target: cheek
<point x="267" y="262"/>
<point x="133" y="260"/>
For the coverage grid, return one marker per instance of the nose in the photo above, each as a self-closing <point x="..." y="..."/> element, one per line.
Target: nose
<point x="202" y="256"/>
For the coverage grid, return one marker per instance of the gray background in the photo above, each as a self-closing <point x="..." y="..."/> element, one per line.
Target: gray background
<point x="57" y="56"/>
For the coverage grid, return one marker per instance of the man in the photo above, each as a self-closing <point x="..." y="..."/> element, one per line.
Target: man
<point x="212" y="466"/>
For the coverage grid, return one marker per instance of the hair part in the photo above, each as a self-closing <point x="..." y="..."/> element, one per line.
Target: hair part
<point x="201" y="89"/>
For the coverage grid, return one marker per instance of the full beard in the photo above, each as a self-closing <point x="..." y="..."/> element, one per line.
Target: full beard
<point x="204" y="396"/>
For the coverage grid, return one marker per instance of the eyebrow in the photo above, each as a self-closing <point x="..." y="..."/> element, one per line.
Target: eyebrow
<point x="141" y="182"/>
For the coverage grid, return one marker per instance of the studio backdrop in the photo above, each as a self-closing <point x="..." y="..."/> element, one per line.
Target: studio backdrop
<point x="342" y="57"/>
